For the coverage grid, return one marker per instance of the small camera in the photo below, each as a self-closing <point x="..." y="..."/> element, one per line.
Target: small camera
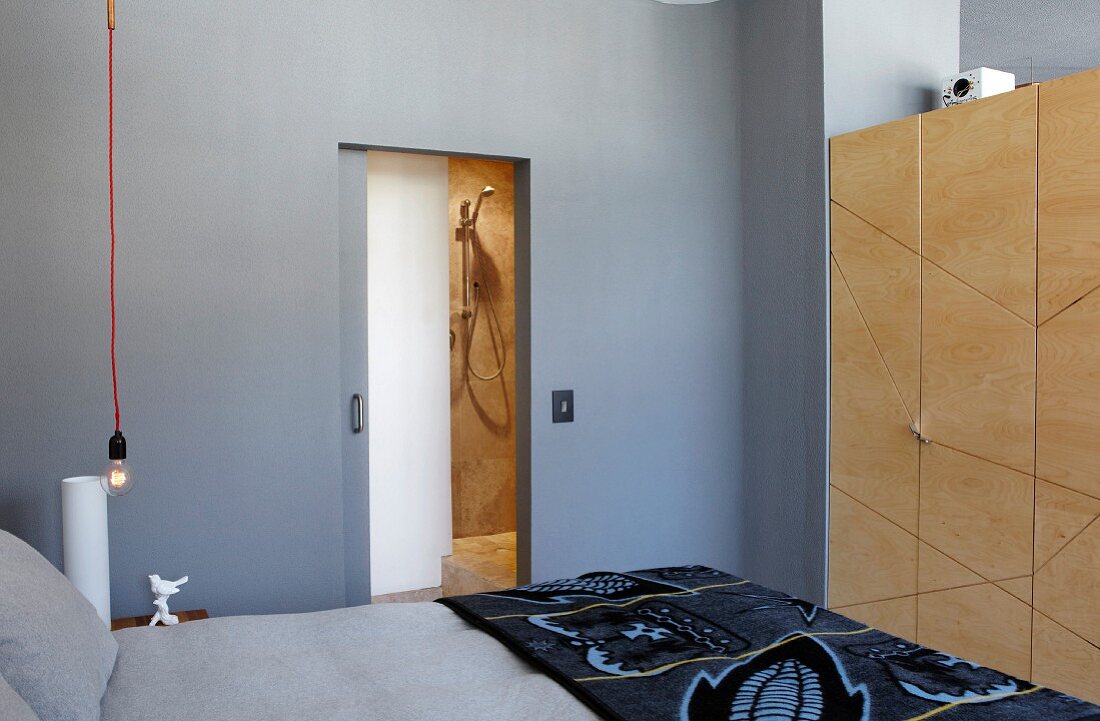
<point x="976" y="84"/>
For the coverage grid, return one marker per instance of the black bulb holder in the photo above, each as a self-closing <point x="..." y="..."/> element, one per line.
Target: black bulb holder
<point x="116" y="447"/>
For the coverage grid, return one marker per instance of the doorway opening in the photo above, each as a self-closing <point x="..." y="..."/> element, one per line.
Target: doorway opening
<point x="482" y="203"/>
<point x="446" y="362"/>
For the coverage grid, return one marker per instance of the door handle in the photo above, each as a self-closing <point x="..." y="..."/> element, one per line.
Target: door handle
<point x="357" y="423"/>
<point x="916" y="434"/>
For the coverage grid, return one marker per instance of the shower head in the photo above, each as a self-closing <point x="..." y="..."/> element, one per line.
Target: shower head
<point x="485" y="193"/>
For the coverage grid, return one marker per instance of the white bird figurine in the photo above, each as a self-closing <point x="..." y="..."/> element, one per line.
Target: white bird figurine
<point x="162" y="589"/>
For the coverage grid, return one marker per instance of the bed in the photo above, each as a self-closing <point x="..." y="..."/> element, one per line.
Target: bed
<point x="685" y="643"/>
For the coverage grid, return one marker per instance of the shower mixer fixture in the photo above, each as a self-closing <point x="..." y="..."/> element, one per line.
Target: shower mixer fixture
<point x="471" y="256"/>
<point x="469" y="231"/>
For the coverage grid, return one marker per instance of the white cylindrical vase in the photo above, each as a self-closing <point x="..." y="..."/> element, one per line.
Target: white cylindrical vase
<point x="84" y="525"/>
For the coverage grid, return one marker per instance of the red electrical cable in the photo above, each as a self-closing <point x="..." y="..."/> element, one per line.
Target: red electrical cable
<point x="111" y="191"/>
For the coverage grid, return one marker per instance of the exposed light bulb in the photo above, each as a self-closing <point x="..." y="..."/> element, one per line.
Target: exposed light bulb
<point x="118" y="478"/>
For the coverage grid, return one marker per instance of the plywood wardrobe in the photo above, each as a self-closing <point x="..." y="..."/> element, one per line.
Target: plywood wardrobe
<point x="965" y="473"/>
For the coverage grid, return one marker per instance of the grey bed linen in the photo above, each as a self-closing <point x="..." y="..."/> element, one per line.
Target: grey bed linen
<point x="390" y="661"/>
<point x="55" y="651"/>
<point x="12" y="705"/>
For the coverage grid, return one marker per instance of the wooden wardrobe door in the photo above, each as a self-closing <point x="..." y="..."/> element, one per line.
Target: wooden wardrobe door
<point x="874" y="491"/>
<point x="875" y="174"/>
<point x="978" y="204"/>
<point x="978" y="196"/>
<point x="983" y="623"/>
<point x="1063" y="660"/>
<point x="977" y="513"/>
<point x="1069" y="190"/>
<point x="883" y="277"/>
<point x="1067" y="463"/>
<point x="876" y="336"/>
<point x="977" y="374"/>
<point x="984" y="540"/>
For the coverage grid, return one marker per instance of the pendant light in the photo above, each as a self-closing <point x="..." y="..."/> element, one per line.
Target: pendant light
<point x="117" y="478"/>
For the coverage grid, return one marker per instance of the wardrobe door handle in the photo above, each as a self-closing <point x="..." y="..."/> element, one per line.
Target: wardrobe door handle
<point x="357" y="423"/>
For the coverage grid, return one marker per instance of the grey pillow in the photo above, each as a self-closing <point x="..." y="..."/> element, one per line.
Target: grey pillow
<point x="12" y="705"/>
<point x="55" y="651"/>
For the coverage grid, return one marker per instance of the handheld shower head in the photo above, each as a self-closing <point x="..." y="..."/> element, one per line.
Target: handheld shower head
<point x="485" y="193"/>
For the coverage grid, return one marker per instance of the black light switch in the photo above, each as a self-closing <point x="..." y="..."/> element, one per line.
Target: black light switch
<point x="563" y="406"/>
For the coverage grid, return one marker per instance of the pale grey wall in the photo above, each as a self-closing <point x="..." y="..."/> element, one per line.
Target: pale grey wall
<point x="1035" y="39"/>
<point x="884" y="59"/>
<point x="229" y="115"/>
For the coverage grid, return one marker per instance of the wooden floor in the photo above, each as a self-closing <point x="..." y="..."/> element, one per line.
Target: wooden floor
<point x="419" y="595"/>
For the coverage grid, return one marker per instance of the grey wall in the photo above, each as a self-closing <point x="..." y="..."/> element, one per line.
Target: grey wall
<point x="1036" y="39"/>
<point x="634" y="288"/>
<point x="783" y="294"/>
<point x="229" y="115"/>
<point x="228" y="318"/>
<point x="808" y="70"/>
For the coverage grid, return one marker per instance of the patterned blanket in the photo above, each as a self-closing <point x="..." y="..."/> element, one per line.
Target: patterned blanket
<point x="694" y="644"/>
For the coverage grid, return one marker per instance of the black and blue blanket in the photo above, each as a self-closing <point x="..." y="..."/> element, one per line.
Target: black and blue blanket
<point x="695" y="644"/>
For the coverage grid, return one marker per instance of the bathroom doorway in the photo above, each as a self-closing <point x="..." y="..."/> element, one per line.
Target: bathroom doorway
<point x="435" y="499"/>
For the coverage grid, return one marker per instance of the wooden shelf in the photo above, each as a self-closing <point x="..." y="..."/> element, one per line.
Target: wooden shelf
<point x="198" y="614"/>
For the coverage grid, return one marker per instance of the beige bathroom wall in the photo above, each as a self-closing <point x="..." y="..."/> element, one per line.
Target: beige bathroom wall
<point x="483" y="436"/>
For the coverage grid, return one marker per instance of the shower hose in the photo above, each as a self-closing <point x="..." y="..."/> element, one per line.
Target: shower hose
<point x="495" y="319"/>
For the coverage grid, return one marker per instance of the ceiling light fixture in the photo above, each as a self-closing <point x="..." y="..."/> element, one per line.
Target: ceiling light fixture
<point x="118" y="478"/>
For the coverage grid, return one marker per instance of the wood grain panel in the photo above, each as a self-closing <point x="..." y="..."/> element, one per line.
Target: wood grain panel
<point x="938" y="572"/>
<point x="1004" y="405"/>
<point x="983" y="624"/>
<point x="1069" y="190"/>
<point x="978" y="195"/>
<point x="1067" y="588"/>
<point x="874" y="456"/>
<point x="875" y="173"/>
<point x="977" y="512"/>
<point x="1018" y="587"/>
<point x="1060" y="514"/>
<point x="884" y="279"/>
<point x="870" y="558"/>
<point x="1064" y="661"/>
<point x="1068" y="404"/>
<point x="977" y="374"/>
<point x="898" y="616"/>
